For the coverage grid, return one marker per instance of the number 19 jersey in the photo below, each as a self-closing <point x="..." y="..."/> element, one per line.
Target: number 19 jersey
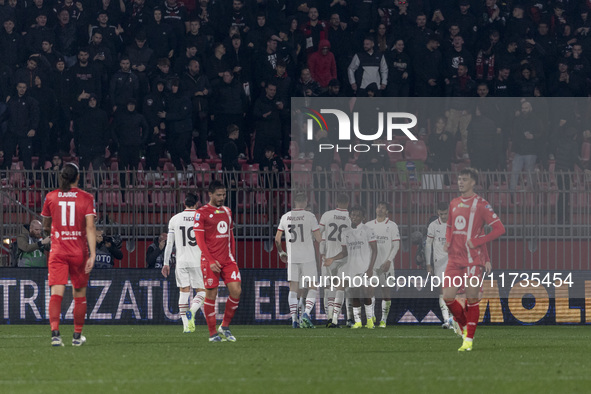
<point x="298" y="226"/>
<point x="180" y="226"/>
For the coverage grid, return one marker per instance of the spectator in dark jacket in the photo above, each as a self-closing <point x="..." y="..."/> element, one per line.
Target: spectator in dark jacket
<point x="91" y="127"/>
<point x="130" y="133"/>
<point x="124" y="85"/>
<point x="142" y="60"/>
<point x="427" y="67"/>
<point x="229" y="107"/>
<point x="179" y="126"/>
<point x="266" y="113"/>
<point x="153" y="104"/>
<point x="155" y="252"/>
<point x="85" y="76"/>
<point x="48" y="111"/>
<point x="23" y="123"/>
<point x="161" y="37"/>
<point x="484" y="143"/>
<point x="441" y="147"/>
<point x="196" y="86"/>
<point x="526" y="136"/>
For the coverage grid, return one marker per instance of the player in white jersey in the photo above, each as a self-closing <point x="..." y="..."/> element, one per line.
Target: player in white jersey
<point x="436" y="256"/>
<point x="388" y="243"/>
<point x="301" y="230"/>
<point x="188" y="262"/>
<point x="332" y="225"/>
<point x="359" y="246"/>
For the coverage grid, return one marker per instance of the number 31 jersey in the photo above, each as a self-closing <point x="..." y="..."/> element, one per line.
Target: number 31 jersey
<point x="180" y="226"/>
<point x="298" y="226"/>
<point x="68" y="212"/>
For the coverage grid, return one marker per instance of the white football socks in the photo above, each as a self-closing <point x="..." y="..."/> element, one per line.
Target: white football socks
<point x="184" y="306"/>
<point x="357" y="314"/>
<point x="385" y="310"/>
<point x="310" y="301"/>
<point x="197" y="302"/>
<point x="444" y="310"/>
<point x="329" y="298"/>
<point x="338" y="304"/>
<point x="292" y="298"/>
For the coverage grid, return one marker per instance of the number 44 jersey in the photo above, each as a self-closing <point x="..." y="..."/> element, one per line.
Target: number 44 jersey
<point x="298" y="226"/>
<point x="180" y="227"/>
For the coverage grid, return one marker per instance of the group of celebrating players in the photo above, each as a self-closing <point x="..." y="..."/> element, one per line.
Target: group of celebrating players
<point x="350" y="247"/>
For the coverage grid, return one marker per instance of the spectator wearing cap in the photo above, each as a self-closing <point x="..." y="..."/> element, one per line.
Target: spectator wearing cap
<point x="533" y="55"/>
<point x="179" y="126"/>
<point x="142" y="60"/>
<point x="23" y="123"/>
<point x="86" y="78"/>
<point x="196" y="86"/>
<point x="12" y="44"/>
<point x="367" y="67"/>
<point x="33" y="10"/>
<point x="427" y="68"/>
<point x="161" y="37"/>
<point x="91" y="133"/>
<point x="322" y="64"/>
<point x="399" y="66"/>
<point x="124" y="85"/>
<point x="154" y="102"/>
<point x="38" y="33"/>
<point x="130" y="133"/>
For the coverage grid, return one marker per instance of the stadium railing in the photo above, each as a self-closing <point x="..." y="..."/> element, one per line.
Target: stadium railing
<point x="547" y="216"/>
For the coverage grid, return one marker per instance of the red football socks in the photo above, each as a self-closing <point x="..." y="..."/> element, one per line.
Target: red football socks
<point x="209" y="310"/>
<point x="472" y="316"/>
<point x="458" y="311"/>
<point x="79" y="313"/>
<point x="55" y="308"/>
<point x="231" y="306"/>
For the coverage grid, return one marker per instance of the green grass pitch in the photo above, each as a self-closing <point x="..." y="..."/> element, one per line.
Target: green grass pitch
<point x="272" y="359"/>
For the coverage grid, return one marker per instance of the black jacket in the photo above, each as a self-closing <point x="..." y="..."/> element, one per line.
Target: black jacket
<point x="229" y="98"/>
<point x="198" y="83"/>
<point x="129" y="128"/>
<point x="124" y="85"/>
<point x="23" y="113"/>
<point x="178" y="114"/>
<point x="91" y="127"/>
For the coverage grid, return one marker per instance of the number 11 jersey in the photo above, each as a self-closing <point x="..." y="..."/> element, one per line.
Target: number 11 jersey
<point x="180" y="226"/>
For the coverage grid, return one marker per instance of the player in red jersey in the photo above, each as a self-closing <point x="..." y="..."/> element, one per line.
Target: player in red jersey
<point x="214" y="232"/>
<point x="68" y="215"/>
<point x="467" y="254"/>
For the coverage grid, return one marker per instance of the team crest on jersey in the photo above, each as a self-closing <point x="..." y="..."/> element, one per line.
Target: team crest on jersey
<point x="197" y="216"/>
<point x="222" y="227"/>
<point x="56" y="234"/>
<point x="489" y="207"/>
<point x="460" y="222"/>
<point x="209" y="281"/>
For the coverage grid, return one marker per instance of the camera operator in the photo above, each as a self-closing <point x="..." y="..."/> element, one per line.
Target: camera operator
<point x="32" y="246"/>
<point x="107" y="249"/>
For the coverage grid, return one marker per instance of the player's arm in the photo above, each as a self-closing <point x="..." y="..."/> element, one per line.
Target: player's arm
<point x="213" y="263"/>
<point x="282" y="254"/>
<point x="322" y="243"/>
<point x="394" y="247"/>
<point x="47" y="225"/>
<point x="232" y="242"/>
<point x="168" y="252"/>
<point x="374" y="254"/>
<point x="429" y="248"/>
<point x="344" y="253"/>
<point x="91" y="238"/>
<point x="492" y="220"/>
<point x="448" y="229"/>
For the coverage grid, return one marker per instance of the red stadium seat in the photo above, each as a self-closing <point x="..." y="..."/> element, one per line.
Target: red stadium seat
<point x="301" y="175"/>
<point x="294" y="149"/>
<point x="250" y="175"/>
<point x="213" y="156"/>
<point x="586" y="151"/>
<point x="202" y="174"/>
<point x="415" y="150"/>
<point x="353" y="176"/>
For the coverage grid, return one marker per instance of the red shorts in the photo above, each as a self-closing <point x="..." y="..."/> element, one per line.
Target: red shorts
<point x="60" y="266"/>
<point x="230" y="273"/>
<point x="463" y="272"/>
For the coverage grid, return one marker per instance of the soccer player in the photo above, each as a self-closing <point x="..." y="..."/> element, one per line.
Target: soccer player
<point x="332" y="225"/>
<point x="214" y="232"/>
<point x="434" y="248"/>
<point x="188" y="262"/>
<point x="388" y="243"/>
<point x="465" y="245"/>
<point x="301" y="229"/>
<point x="69" y="215"/>
<point x="359" y="245"/>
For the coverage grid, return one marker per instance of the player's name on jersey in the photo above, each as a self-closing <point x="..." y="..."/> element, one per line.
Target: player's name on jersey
<point x="340" y="217"/>
<point x="295" y="218"/>
<point x="67" y="194"/>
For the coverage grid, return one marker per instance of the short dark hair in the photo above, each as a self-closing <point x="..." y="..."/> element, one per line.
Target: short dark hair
<point x="232" y="128"/>
<point x="385" y="204"/>
<point x="357" y="208"/>
<point x="215" y="185"/>
<point x="442" y="206"/>
<point x="471" y="172"/>
<point x="190" y="200"/>
<point x="270" y="148"/>
<point x="343" y="198"/>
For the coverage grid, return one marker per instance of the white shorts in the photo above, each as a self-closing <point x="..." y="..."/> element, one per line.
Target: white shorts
<point x="383" y="276"/>
<point x="335" y="269"/>
<point x="439" y="268"/>
<point x="189" y="277"/>
<point x="296" y="271"/>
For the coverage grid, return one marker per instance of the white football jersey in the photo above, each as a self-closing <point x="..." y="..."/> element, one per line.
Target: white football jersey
<point x="332" y="226"/>
<point x="357" y="242"/>
<point x="180" y="227"/>
<point x="436" y="236"/>
<point x="388" y="240"/>
<point x="298" y="226"/>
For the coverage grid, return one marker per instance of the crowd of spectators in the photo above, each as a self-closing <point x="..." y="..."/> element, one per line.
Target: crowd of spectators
<point x="146" y="78"/>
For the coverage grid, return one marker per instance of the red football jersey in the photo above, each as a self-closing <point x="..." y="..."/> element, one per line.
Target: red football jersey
<point x="218" y="227"/>
<point x="68" y="211"/>
<point x="467" y="217"/>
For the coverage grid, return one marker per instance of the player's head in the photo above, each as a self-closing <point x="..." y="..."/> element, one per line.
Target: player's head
<point x="233" y="132"/>
<point x="190" y="201"/>
<point x="357" y="215"/>
<point x="343" y="201"/>
<point x="382" y="209"/>
<point x="467" y="179"/>
<point x="300" y="200"/>
<point x="217" y="193"/>
<point x="69" y="177"/>
<point x="443" y="211"/>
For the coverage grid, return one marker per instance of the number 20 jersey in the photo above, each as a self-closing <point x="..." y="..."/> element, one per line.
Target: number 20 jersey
<point x="180" y="227"/>
<point x="332" y="226"/>
<point x="68" y="211"/>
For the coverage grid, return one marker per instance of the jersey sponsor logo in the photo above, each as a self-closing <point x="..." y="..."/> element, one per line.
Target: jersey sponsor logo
<point x="56" y="234"/>
<point x="197" y="216"/>
<point x="196" y="224"/>
<point x="462" y="205"/>
<point x="494" y="216"/>
<point x="460" y="222"/>
<point x="222" y="227"/>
